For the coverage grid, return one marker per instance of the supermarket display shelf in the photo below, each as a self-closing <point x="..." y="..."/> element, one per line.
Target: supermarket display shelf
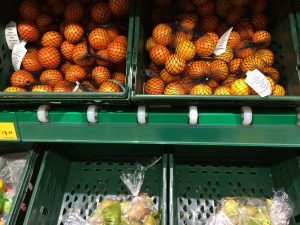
<point x="162" y="126"/>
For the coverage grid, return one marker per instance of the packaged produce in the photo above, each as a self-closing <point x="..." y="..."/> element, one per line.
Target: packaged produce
<point x="136" y="209"/>
<point x="253" y="211"/>
<point x="70" y="46"/>
<point x="209" y="48"/>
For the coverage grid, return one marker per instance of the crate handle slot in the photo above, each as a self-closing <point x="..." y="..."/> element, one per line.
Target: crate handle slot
<point x="92" y="114"/>
<point x="42" y="113"/>
<point x="193" y="115"/>
<point x="247" y="116"/>
<point x="142" y="115"/>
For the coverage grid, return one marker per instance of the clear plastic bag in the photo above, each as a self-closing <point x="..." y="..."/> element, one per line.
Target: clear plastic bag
<point x="253" y="211"/>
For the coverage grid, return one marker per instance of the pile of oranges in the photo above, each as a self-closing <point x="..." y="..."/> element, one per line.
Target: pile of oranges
<point x="181" y="51"/>
<point x="72" y="45"/>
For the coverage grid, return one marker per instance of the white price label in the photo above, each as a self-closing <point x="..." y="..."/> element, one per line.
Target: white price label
<point x="259" y="83"/>
<point x="222" y="43"/>
<point x="18" y="54"/>
<point x="11" y="34"/>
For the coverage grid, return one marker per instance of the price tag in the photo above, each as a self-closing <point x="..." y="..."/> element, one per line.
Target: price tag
<point x="222" y="43"/>
<point x="259" y="83"/>
<point x="8" y="131"/>
<point x="11" y="34"/>
<point x="18" y="54"/>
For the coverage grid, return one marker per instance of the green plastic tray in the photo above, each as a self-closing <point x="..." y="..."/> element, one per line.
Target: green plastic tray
<point x="24" y="179"/>
<point x="9" y="12"/>
<point x="83" y="178"/>
<point x="285" y="33"/>
<point x="201" y="176"/>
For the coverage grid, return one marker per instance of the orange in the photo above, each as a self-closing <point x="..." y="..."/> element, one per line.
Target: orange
<point x="49" y="57"/>
<point x="21" y="78"/>
<point x="201" y="89"/>
<point x="75" y="73"/>
<point x="181" y="36"/>
<point x="154" y="86"/>
<point x="251" y="63"/>
<point x="42" y="88"/>
<point x="67" y="49"/>
<point x="227" y="56"/>
<point x="116" y="52"/>
<point x="240" y="87"/>
<point x="154" y="68"/>
<point x="122" y="40"/>
<point x="186" y="5"/>
<point x="266" y="55"/>
<point x="175" y="64"/>
<point x="64" y="67"/>
<point x="235" y="66"/>
<point x="259" y="6"/>
<point x="222" y="28"/>
<point x="29" y="10"/>
<point x="243" y="50"/>
<point x="73" y="32"/>
<point x="88" y="86"/>
<point x="119" y="7"/>
<point x="229" y="80"/>
<point x="222" y="90"/>
<point x="43" y="22"/>
<point x="14" y="89"/>
<point x="163" y="34"/>
<point x="278" y="90"/>
<point x="103" y="58"/>
<point x="198" y="69"/>
<point x="112" y="31"/>
<point x="64" y="86"/>
<point x="150" y="43"/>
<point x="74" y="12"/>
<point x="272" y="73"/>
<point x="219" y="70"/>
<point x="99" y="39"/>
<point x="52" y="39"/>
<point x="213" y="36"/>
<point x="118" y="76"/>
<point x="260" y="21"/>
<point x="174" y="88"/>
<point x="187" y="83"/>
<point x="234" y="39"/>
<point x="245" y="29"/>
<point x="186" y="50"/>
<point x="240" y="3"/>
<point x="109" y="86"/>
<point x="205" y="46"/>
<point x="206" y="9"/>
<point x="167" y="77"/>
<point x="101" y="13"/>
<point x="235" y="15"/>
<point x="188" y="21"/>
<point x="223" y="8"/>
<point x="58" y="8"/>
<point x="272" y="83"/>
<point x="212" y="83"/>
<point x="100" y="74"/>
<point x="28" y="31"/>
<point x="159" y="54"/>
<point x="209" y="23"/>
<point x="30" y="61"/>
<point x="51" y="77"/>
<point x="199" y="2"/>
<point x="262" y="38"/>
<point x="81" y="55"/>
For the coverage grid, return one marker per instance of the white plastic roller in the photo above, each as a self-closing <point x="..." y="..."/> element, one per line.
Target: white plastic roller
<point x="193" y="115"/>
<point x="247" y="116"/>
<point x="298" y="116"/>
<point x="42" y="113"/>
<point x="142" y="115"/>
<point x="92" y="114"/>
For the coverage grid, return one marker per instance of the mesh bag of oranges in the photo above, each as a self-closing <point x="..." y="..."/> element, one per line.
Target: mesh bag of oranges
<point x="72" y="46"/>
<point x="182" y="50"/>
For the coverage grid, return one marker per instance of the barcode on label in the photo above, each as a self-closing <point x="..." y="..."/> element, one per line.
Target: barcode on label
<point x="11" y="34"/>
<point x="222" y="44"/>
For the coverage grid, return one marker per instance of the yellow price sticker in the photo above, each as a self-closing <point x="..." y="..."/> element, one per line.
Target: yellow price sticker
<point x="8" y="131"/>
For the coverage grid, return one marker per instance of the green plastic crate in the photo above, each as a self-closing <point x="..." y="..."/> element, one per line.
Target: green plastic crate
<point x="10" y="12"/>
<point x="82" y="178"/>
<point x="285" y="44"/>
<point x="201" y="176"/>
<point x="24" y="179"/>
